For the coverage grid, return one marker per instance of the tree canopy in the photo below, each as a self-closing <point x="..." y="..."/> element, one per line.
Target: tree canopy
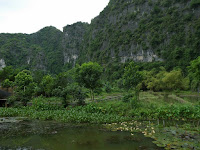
<point x="89" y="75"/>
<point x="132" y="76"/>
<point x="23" y="79"/>
<point x="194" y="73"/>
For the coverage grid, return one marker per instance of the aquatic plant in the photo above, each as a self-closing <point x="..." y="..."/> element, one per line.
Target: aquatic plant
<point x="70" y="115"/>
<point x="43" y="103"/>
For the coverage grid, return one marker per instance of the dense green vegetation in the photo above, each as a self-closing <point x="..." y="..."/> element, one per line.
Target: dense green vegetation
<point x="74" y="86"/>
<point x="168" y="28"/>
<point x="86" y="114"/>
<point x="88" y="75"/>
<point x="194" y="73"/>
<point x="151" y="106"/>
<point x="144" y="95"/>
<point x="142" y="30"/>
<point x="41" y="50"/>
<point x="47" y="84"/>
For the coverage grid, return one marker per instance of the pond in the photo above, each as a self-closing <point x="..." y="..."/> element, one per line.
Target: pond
<point x="49" y="135"/>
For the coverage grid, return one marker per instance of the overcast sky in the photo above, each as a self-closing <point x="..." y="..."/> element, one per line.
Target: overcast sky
<point x="28" y="16"/>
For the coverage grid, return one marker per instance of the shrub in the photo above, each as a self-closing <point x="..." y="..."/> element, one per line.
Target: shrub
<point x="42" y="103"/>
<point x="127" y="97"/>
<point x="108" y="87"/>
<point x="195" y="3"/>
<point x="134" y="102"/>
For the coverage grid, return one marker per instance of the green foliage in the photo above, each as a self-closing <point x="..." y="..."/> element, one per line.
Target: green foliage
<point x="42" y="103"/>
<point x="169" y="28"/>
<point x="134" y="102"/>
<point x="132" y="76"/>
<point x="107" y="87"/>
<point x="127" y="97"/>
<point x="42" y="50"/>
<point x="115" y="107"/>
<point x="174" y="80"/>
<point x="47" y="85"/>
<point x="24" y="95"/>
<point x="24" y="86"/>
<point x="63" y="79"/>
<point x="195" y="3"/>
<point x="165" y="81"/>
<point x="38" y="76"/>
<point x="12" y="47"/>
<point x="92" y="108"/>
<point x="8" y="73"/>
<point x="106" y="111"/>
<point x="23" y="79"/>
<point x="194" y="73"/>
<point x="154" y="81"/>
<point x="151" y="110"/>
<point x="80" y="114"/>
<point x="132" y="99"/>
<point x="7" y="83"/>
<point x="88" y="75"/>
<point x="12" y="101"/>
<point x="178" y="112"/>
<point x="113" y="71"/>
<point x="76" y="93"/>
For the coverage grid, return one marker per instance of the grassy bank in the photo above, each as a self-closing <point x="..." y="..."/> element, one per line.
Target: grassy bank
<point x="151" y="106"/>
<point x="81" y="114"/>
<point x="172" y="121"/>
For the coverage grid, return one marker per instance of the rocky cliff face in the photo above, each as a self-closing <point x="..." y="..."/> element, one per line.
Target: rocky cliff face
<point x="2" y="64"/>
<point x="73" y="36"/>
<point x="139" y="30"/>
<point x="145" y="31"/>
<point x="38" y="51"/>
<point x="48" y="49"/>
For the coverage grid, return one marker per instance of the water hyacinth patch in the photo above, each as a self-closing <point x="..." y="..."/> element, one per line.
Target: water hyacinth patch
<point x="187" y="136"/>
<point x="70" y="115"/>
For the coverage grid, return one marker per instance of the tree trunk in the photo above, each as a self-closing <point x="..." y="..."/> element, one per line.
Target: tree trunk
<point x="91" y="94"/>
<point x="137" y="92"/>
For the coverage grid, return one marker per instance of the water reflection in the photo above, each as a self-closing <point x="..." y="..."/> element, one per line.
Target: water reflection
<point x="54" y="136"/>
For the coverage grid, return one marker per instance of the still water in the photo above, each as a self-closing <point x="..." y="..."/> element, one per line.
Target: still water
<point x="46" y="135"/>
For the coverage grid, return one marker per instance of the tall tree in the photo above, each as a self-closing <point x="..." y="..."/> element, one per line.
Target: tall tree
<point x="47" y="84"/>
<point x="7" y="84"/>
<point x="24" y="86"/>
<point x="8" y="72"/>
<point x="23" y="79"/>
<point x="194" y="73"/>
<point x="88" y="75"/>
<point x="132" y="77"/>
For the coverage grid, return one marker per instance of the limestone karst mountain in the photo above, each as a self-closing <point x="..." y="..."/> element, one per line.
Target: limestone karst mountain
<point x="139" y="30"/>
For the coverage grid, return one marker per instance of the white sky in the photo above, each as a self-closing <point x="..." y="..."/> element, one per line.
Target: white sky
<point x="28" y="16"/>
